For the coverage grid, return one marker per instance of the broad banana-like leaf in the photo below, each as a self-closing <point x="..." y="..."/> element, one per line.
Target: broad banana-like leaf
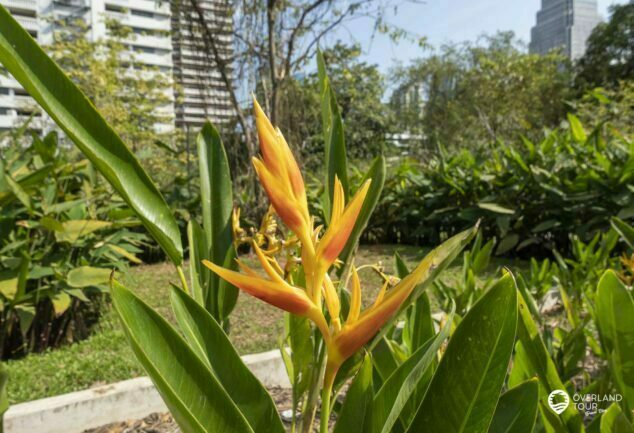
<point x="76" y="115"/>
<point x="212" y="345"/>
<point x="193" y="394"/>
<point x="517" y="409"/>
<point x="615" y="318"/>
<point x="465" y="389"/>
<point x="614" y="420"/>
<point x="399" y="389"/>
<point x="436" y="261"/>
<point x="216" y="195"/>
<point x="356" y="410"/>
<point x="532" y="359"/>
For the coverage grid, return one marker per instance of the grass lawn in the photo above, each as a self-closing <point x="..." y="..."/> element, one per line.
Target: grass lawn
<point x="105" y="357"/>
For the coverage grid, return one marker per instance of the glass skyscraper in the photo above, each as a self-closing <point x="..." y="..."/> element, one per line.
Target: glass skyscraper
<point x="564" y="24"/>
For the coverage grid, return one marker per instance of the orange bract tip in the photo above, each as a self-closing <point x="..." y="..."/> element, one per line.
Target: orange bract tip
<point x="281" y="295"/>
<point x="335" y="238"/>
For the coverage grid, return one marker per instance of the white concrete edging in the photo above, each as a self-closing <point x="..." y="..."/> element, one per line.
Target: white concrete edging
<point x="117" y="402"/>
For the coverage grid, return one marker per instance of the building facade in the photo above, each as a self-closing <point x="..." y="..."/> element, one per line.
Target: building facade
<point x="201" y="92"/>
<point x="565" y="25"/>
<point x="157" y="41"/>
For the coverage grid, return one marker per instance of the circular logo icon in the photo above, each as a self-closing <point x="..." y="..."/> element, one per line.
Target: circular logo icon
<point x="558" y="401"/>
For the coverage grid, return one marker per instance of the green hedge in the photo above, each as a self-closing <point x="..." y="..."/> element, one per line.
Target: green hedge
<point x="531" y="196"/>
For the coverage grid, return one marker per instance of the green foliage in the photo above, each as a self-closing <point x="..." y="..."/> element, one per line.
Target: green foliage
<point x="531" y="196"/>
<point x="470" y="94"/>
<point x="58" y="248"/>
<point x="609" y="58"/>
<point x="131" y="96"/>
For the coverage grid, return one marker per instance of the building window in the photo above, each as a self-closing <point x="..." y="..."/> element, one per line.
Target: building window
<point x="4" y="111"/>
<point x="20" y="92"/>
<point x="139" y="13"/>
<point x="115" y="8"/>
<point x="4" y="91"/>
<point x="22" y="12"/>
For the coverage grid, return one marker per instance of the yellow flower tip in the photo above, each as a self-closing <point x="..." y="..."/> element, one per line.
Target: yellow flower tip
<point x="355" y="298"/>
<point x="338" y="232"/>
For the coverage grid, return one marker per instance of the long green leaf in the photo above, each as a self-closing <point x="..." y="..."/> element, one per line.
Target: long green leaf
<point x="615" y="318"/>
<point x="216" y="195"/>
<point x="356" y="410"/>
<point x="434" y="263"/>
<point x="398" y="390"/>
<point x="209" y="341"/>
<point x="517" y="409"/>
<point x="377" y="173"/>
<point x="197" y="253"/>
<point x="624" y="229"/>
<point x="532" y="359"/>
<point x="614" y="420"/>
<point x="76" y="115"/>
<point x="464" y="392"/>
<point x="195" y="398"/>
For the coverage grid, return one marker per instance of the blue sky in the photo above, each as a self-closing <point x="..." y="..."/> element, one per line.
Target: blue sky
<point x="445" y="21"/>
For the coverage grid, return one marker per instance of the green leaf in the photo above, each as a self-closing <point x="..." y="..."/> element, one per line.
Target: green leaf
<point x="193" y="394"/>
<point x="507" y="243"/>
<point x="517" y="409"/>
<point x="615" y="319"/>
<point x="496" y="208"/>
<point x="578" y="133"/>
<point x="216" y="195"/>
<point x="398" y="390"/>
<point x="624" y="229"/>
<point x="356" y="410"/>
<point x="17" y="190"/>
<point x="79" y="119"/>
<point x="377" y="173"/>
<point x="464" y="392"/>
<point x="334" y="139"/>
<point x="85" y="276"/>
<point x="209" y="342"/>
<point x="72" y="230"/>
<point x="614" y="420"/>
<point x="198" y="251"/>
<point x="429" y="268"/>
<point x="125" y="253"/>
<point x="61" y="302"/>
<point x="4" y="397"/>
<point x="532" y="359"/>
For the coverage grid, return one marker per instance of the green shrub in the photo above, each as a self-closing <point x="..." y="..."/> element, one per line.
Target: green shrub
<point x="62" y="232"/>
<point x="531" y="196"/>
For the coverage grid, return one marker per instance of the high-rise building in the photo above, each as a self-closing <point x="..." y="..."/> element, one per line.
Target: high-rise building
<point x="565" y="25"/>
<point x="201" y="93"/>
<point x="159" y="40"/>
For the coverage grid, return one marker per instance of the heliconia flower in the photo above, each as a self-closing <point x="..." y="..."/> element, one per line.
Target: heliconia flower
<point x="280" y="176"/>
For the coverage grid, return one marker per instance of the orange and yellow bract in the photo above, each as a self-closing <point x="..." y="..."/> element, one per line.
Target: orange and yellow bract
<point x="282" y="180"/>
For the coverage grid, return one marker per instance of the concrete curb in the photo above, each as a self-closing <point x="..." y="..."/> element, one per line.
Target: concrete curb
<point x="121" y="401"/>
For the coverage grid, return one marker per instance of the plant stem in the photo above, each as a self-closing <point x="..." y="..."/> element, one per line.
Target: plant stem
<point x="326" y="392"/>
<point x="183" y="279"/>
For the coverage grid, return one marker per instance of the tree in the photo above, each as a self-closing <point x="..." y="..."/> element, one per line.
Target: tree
<point x="609" y="56"/>
<point x="133" y="97"/>
<point x="483" y="92"/>
<point x="275" y="38"/>
<point x="359" y="87"/>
